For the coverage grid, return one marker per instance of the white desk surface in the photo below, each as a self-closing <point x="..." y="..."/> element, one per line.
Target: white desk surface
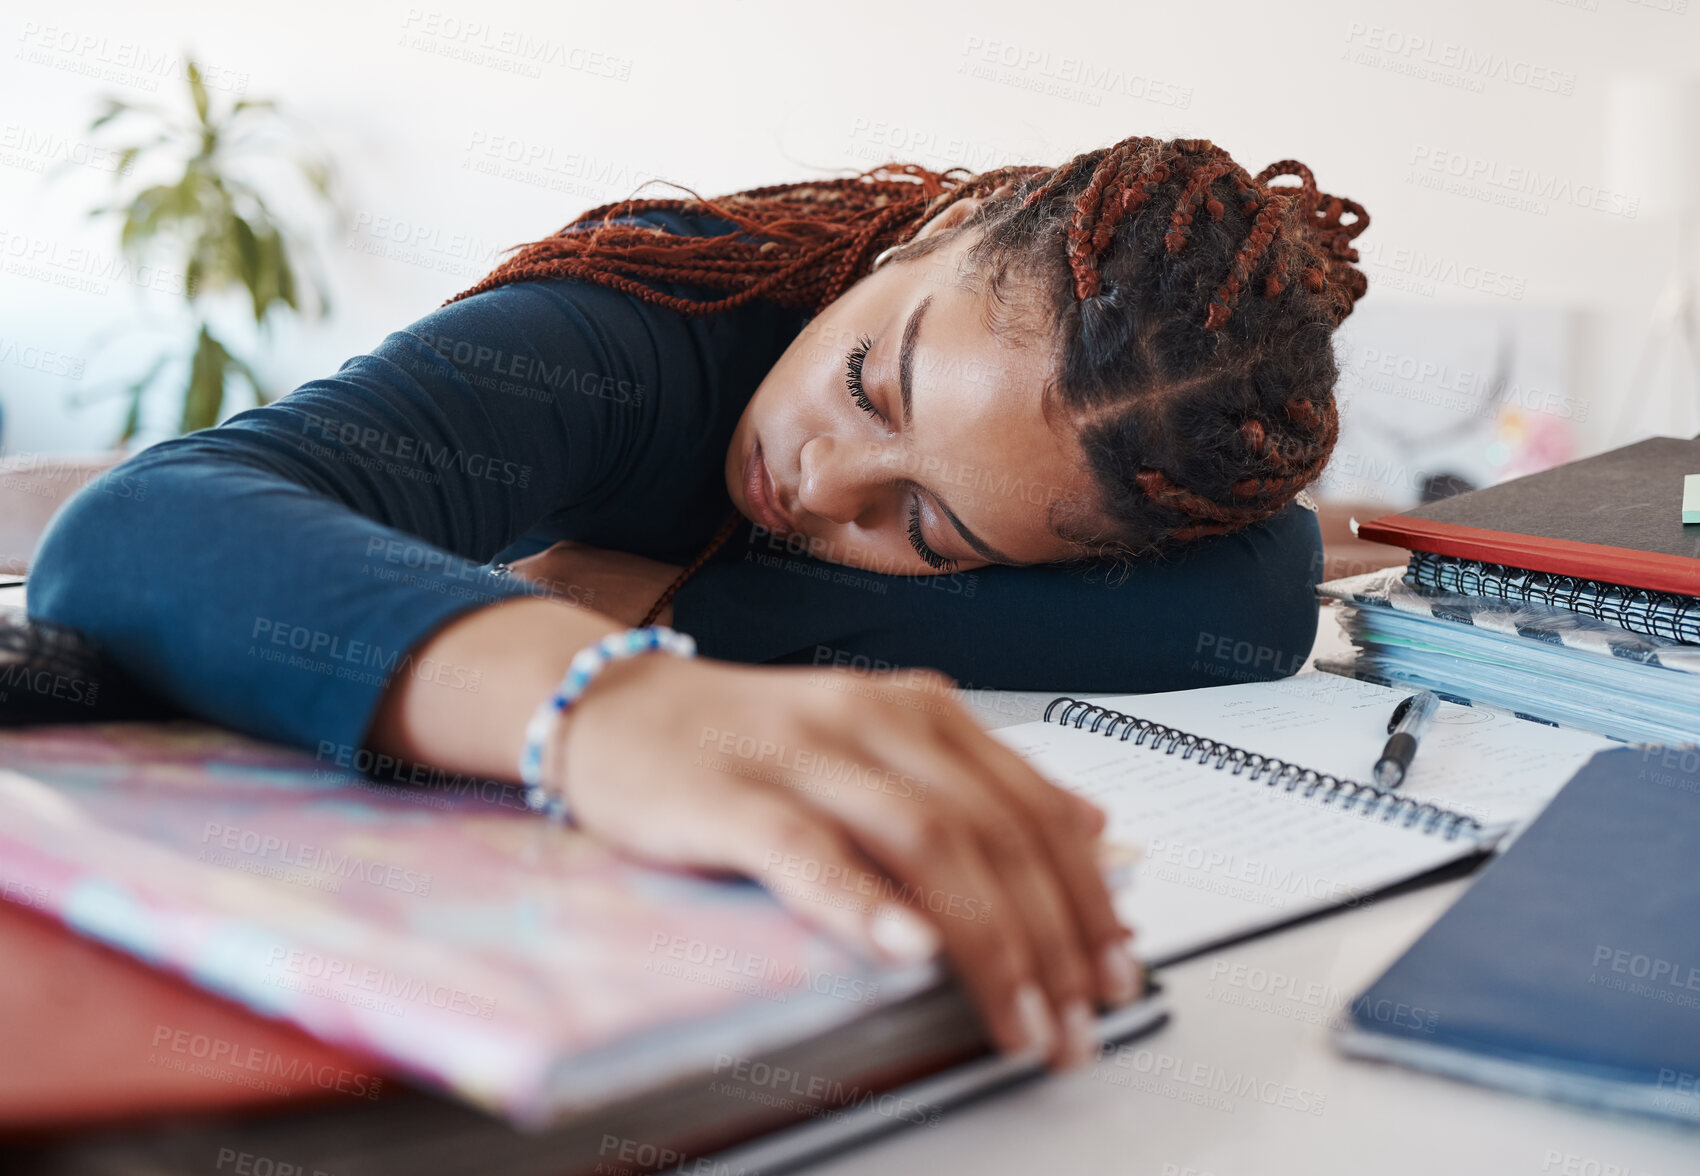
<point x="1250" y="1086"/>
<point x="1243" y="1080"/>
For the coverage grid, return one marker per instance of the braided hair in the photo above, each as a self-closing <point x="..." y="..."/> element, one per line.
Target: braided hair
<point x="1191" y="305"/>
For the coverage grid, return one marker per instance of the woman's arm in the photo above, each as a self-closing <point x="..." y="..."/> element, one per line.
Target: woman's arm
<point x="313" y="565"/>
<point x="877" y="809"/>
<point x="273" y="574"/>
<point x="1238" y="608"/>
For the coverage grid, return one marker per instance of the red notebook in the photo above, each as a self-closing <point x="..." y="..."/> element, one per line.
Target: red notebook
<point x="1616" y="518"/>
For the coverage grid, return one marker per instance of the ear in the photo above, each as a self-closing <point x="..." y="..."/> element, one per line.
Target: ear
<point x="960" y="211"/>
<point x="949" y="218"/>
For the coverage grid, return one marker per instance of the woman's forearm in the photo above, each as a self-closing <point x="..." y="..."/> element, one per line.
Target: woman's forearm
<point x="515" y="651"/>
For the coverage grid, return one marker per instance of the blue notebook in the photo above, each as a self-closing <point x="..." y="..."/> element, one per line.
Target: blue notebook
<point x="1571" y="967"/>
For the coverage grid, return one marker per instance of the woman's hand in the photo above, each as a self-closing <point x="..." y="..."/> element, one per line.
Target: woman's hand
<point x="873" y="806"/>
<point x="614" y="583"/>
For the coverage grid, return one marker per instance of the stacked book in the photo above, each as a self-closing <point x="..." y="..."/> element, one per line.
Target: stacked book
<point x="1571" y="597"/>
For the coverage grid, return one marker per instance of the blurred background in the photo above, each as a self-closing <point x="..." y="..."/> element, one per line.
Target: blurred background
<point x="333" y="172"/>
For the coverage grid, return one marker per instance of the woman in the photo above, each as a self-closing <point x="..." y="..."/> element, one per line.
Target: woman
<point x="904" y="381"/>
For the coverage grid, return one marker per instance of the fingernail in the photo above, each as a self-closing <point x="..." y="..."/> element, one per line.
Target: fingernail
<point x="902" y="936"/>
<point x="1120" y="972"/>
<point x="1080" y="1035"/>
<point x="1034" y="1018"/>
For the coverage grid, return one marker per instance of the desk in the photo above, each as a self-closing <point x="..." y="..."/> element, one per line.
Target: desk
<point x="1249" y="1085"/>
<point x="1251" y="1023"/>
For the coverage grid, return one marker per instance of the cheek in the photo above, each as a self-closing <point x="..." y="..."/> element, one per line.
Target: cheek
<point x="797" y="394"/>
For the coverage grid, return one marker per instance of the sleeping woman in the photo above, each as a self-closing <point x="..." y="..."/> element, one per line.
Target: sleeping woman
<point x="1037" y="428"/>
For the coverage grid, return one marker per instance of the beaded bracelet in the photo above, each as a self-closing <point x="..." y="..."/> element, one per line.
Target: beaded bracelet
<point x="586" y="664"/>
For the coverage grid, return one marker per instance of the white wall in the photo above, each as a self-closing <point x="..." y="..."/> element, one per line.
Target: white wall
<point x="737" y="95"/>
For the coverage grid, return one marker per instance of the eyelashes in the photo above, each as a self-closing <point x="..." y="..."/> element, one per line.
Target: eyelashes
<point x="853" y="380"/>
<point x="853" y="375"/>
<point x="922" y="548"/>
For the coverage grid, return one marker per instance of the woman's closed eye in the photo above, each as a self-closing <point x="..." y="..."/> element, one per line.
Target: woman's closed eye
<point x="853" y="376"/>
<point x="853" y="363"/>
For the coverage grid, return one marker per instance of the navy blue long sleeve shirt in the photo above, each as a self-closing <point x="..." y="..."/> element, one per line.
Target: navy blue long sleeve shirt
<point x="274" y="573"/>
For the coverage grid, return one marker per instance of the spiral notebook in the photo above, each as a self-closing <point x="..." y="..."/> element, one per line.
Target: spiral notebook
<point x="1669" y="615"/>
<point x="1247" y="804"/>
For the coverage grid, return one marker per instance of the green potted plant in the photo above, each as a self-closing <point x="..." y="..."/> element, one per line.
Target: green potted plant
<point x="211" y="221"/>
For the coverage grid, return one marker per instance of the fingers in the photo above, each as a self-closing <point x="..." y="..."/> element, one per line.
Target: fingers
<point x="1070" y="847"/>
<point x="1032" y="917"/>
<point x="813" y="868"/>
<point x="935" y="853"/>
<point x="959" y="842"/>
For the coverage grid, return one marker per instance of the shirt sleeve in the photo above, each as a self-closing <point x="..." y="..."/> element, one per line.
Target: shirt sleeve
<point x="1236" y="608"/>
<point x="274" y="573"/>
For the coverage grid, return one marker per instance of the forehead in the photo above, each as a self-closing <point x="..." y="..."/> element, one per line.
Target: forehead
<point x="981" y="390"/>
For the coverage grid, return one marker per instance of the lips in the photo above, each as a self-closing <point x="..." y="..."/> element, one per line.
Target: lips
<point x="763" y="499"/>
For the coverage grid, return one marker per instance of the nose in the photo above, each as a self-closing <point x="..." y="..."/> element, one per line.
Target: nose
<point x="836" y="480"/>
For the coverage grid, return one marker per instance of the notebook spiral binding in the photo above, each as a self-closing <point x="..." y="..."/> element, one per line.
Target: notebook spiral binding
<point x="1369" y="800"/>
<point x="1639" y="610"/>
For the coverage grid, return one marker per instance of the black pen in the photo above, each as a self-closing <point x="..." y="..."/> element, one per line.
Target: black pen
<point x="1410" y="718"/>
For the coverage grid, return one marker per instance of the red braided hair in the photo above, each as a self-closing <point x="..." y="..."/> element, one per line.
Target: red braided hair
<point x="795" y="244"/>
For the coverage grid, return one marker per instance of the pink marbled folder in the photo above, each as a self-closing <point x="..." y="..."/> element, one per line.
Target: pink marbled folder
<point x="442" y="926"/>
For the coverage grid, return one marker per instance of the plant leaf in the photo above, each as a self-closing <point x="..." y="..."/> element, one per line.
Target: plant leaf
<point x="136" y="390"/>
<point x="205" y="394"/>
<point x="199" y="91"/>
<point x="114" y="108"/>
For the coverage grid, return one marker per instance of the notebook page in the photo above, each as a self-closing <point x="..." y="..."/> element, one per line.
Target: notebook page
<point x="1480" y="761"/>
<point x="1222" y="855"/>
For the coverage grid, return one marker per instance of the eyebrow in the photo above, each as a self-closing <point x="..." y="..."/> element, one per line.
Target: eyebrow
<point x="906" y="388"/>
<point x="906" y="358"/>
